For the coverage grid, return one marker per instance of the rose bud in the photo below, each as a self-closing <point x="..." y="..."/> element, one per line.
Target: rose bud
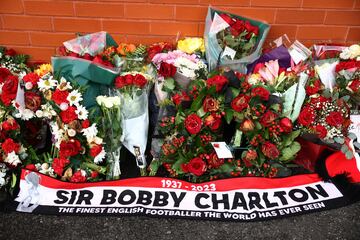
<point x="247" y="125"/>
<point x="251" y="155"/>
<point x="286" y="125"/>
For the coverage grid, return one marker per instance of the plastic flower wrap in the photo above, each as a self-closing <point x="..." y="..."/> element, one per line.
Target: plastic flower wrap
<point x="232" y="41"/>
<point x="90" y="61"/>
<point x="134" y="88"/>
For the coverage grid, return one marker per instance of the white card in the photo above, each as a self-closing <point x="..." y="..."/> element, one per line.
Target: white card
<point x="218" y="24"/>
<point x="228" y="52"/>
<point x="355" y="126"/>
<point x="222" y="150"/>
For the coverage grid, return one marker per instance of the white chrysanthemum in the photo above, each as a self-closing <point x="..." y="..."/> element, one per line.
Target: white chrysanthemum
<point x="354" y="51"/>
<point x="98" y="140"/>
<point x="74" y="97"/>
<point x="13" y="159"/>
<point x="254" y="79"/>
<point x="47" y="111"/>
<point x="82" y="112"/>
<point x="47" y="83"/>
<point x="100" y="156"/>
<point x="345" y="54"/>
<point x="24" y="114"/>
<point x="90" y="132"/>
<point x="57" y="133"/>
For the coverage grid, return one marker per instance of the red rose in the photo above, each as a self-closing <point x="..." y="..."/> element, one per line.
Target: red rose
<point x="193" y="123"/>
<point x="306" y="116"/>
<point x="62" y="51"/>
<point x="85" y="124"/>
<point x="59" y="164"/>
<point x="120" y="82"/>
<point x="318" y="102"/>
<point x="31" y="167"/>
<point x="210" y="104"/>
<point x="140" y="81"/>
<point x="214" y="161"/>
<point x="196" y="166"/>
<point x="270" y="150"/>
<point x="78" y="177"/>
<point x="60" y="97"/>
<point x="31" y="78"/>
<point x="251" y="30"/>
<point x="354" y="85"/>
<point x="10" y="52"/>
<point x="10" y="85"/>
<point x="94" y="174"/>
<point x="69" y="115"/>
<point x="320" y="131"/>
<point x="334" y="119"/>
<point x="32" y="101"/>
<point x="313" y="88"/>
<point x="249" y="156"/>
<point x="286" y="125"/>
<point x="10" y="125"/>
<point x="346" y="65"/>
<point x="263" y="93"/>
<point x="227" y="18"/>
<point x="240" y="102"/>
<point x="153" y="50"/>
<point x="167" y="70"/>
<point x="218" y="81"/>
<point x="213" y="121"/>
<point x="95" y="150"/>
<point x="9" y="146"/>
<point x="129" y="79"/>
<point x="268" y="118"/>
<point x="177" y="98"/>
<point x="4" y="73"/>
<point x="69" y="148"/>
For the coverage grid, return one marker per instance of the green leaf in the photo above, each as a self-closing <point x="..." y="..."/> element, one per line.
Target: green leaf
<point x="229" y="114"/>
<point x="197" y="103"/>
<point x="13" y="180"/>
<point x="289" y="153"/>
<point x="293" y="101"/>
<point x="346" y="98"/>
<point x="339" y="140"/>
<point x="169" y="84"/>
<point x="344" y="149"/>
<point x="177" y="165"/>
<point x="289" y="138"/>
<point x="201" y="112"/>
<point x="349" y="155"/>
<point x="235" y="91"/>
<point x="326" y="93"/>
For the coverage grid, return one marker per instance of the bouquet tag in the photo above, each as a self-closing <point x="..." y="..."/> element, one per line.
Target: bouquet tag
<point x="327" y="74"/>
<point x="228" y="52"/>
<point x="218" y="24"/>
<point x="355" y="126"/>
<point x="140" y="161"/>
<point x="222" y="150"/>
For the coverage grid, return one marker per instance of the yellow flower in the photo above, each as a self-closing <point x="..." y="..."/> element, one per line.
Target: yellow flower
<point x="43" y="69"/>
<point x="191" y="45"/>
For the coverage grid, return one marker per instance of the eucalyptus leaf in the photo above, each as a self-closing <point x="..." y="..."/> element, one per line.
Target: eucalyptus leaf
<point x="293" y="100"/>
<point x="339" y="140"/>
<point x="349" y="155"/>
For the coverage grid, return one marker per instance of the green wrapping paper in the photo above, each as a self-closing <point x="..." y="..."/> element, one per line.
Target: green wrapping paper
<point x="214" y="51"/>
<point x="96" y="78"/>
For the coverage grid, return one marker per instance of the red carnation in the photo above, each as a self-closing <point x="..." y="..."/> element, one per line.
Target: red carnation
<point x="268" y="118"/>
<point x="69" y="115"/>
<point x="70" y="148"/>
<point x="10" y="125"/>
<point x="78" y="177"/>
<point x="139" y="80"/>
<point x="59" y="164"/>
<point x="95" y="150"/>
<point x="261" y="92"/>
<point x="286" y="125"/>
<point x="85" y="124"/>
<point x="218" y="81"/>
<point x="32" y="78"/>
<point x="240" y="102"/>
<point x="60" y="97"/>
<point x="196" y="166"/>
<point x="270" y="150"/>
<point x="307" y="116"/>
<point x="9" y="146"/>
<point x="334" y="119"/>
<point x="193" y="123"/>
<point x="320" y="131"/>
<point x="167" y="70"/>
<point x="177" y="98"/>
<point x="354" y="85"/>
<point x="214" y="161"/>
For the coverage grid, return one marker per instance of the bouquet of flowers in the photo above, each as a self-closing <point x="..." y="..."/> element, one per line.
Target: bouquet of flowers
<point x="232" y="40"/>
<point x="133" y="57"/>
<point x="111" y="132"/>
<point x="90" y="61"/>
<point x="16" y="63"/>
<point x="192" y="45"/>
<point x="133" y="88"/>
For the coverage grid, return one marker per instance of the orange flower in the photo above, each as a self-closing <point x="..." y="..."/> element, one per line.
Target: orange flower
<point x="125" y="48"/>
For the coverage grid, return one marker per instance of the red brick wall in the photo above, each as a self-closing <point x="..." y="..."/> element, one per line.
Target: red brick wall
<point x="37" y="27"/>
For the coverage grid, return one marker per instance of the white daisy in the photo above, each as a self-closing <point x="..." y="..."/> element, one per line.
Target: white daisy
<point x="100" y="156"/>
<point x="74" y="97"/>
<point x="64" y="85"/>
<point x="57" y="133"/>
<point x="46" y="83"/>
<point x="82" y="112"/>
